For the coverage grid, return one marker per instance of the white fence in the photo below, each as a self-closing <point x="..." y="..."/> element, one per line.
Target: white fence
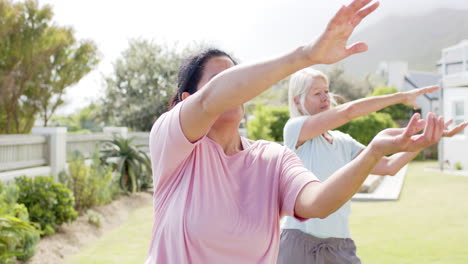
<point x="22" y="151"/>
<point x="47" y="150"/>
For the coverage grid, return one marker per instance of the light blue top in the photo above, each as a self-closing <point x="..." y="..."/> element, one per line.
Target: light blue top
<point x="323" y="159"/>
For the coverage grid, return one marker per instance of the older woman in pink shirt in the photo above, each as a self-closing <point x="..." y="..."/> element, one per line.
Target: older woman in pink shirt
<point x="219" y="197"/>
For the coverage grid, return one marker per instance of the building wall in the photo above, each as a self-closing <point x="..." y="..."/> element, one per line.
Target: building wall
<point x="455" y="149"/>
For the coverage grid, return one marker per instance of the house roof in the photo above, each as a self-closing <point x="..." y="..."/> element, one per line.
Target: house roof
<point x="420" y="79"/>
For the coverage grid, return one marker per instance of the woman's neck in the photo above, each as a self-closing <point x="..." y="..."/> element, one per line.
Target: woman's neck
<point x="227" y="137"/>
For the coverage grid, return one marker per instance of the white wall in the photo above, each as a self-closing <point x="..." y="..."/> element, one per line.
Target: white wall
<point x="455" y="149"/>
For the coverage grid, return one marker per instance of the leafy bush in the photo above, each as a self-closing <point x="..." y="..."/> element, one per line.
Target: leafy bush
<point x="259" y="126"/>
<point x="49" y="203"/>
<point x="268" y="123"/>
<point x="133" y="165"/>
<point x="281" y="116"/>
<point x="364" y="128"/>
<point x="90" y="185"/>
<point x="94" y="218"/>
<point x="398" y="111"/>
<point x="18" y="237"/>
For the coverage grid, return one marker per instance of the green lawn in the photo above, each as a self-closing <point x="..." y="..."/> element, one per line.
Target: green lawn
<point x="429" y="224"/>
<point x="127" y="244"/>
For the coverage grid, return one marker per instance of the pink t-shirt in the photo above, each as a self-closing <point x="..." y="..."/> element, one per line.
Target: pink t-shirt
<point x="214" y="208"/>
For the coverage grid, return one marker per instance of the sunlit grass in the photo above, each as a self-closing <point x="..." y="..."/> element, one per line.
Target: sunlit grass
<point x="429" y="224"/>
<point x="127" y="244"/>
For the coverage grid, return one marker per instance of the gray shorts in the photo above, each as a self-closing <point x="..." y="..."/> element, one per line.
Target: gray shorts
<point x="297" y="247"/>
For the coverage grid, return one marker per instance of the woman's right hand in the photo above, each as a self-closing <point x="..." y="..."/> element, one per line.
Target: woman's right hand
<point x="393" y="140"/>
<point x="411" y="96"/>
<point x="332" y="46"/>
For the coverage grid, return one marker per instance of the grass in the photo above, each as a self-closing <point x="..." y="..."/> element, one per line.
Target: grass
<point x="128" y="243"/>
<point x="427" y="225"/>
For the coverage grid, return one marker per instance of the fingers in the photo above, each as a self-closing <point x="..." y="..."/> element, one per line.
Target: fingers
<point x="414" y="126"/>
<point x="352" y="13"/>
<point x="363" y="13"/>
<point x="439" y="129"/>
<point x="432" y="131"/>
<point x="448" y="123"/>
<point x="428" y="89"/>
<point x="339" y="17"/>
<point x="430" y="125"/>
<point x="357" y="47"/>
<point x="455" y="130"/>
<point x="356" y="5"/>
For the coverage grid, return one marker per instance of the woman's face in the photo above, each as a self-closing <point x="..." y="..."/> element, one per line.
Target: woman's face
<point x="317" y="99"/>
<point x="211" y="68"/>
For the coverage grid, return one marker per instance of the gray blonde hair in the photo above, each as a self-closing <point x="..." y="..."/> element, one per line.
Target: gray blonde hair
<point x="299" y="85"/>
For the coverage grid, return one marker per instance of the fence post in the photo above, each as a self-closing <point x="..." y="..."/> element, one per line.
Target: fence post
<point x="57" y="142"/>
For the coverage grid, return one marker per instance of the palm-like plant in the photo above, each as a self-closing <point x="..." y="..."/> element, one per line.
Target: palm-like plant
<point x="133" y="164"/>
<point x="12" y="234"/>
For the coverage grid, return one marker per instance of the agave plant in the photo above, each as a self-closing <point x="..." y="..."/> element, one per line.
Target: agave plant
<point x="133" y="164"/>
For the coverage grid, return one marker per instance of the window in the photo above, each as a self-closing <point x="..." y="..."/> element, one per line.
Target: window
<point x="458" y="113"/>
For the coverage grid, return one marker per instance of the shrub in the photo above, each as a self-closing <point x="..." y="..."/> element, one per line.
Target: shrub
<point x="49" y="203"/>
<point x="133" y="165"/>
<point x="94" y="218"/>
<point x="281" y="116"/>
<point x="458" y="165"/>
<point x="364" y="128"/>
<point x="398" y="111"/>
<point x="259" y="126"/>
<point x="90" y="185"/>
<point x="268" y="123"/>
<point x="18" y="237"/>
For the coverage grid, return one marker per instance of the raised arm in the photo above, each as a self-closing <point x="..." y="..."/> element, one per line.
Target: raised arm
<point x="239" y="84"/>
<point x="322" y="199"/>
<point x="317" y="124"/>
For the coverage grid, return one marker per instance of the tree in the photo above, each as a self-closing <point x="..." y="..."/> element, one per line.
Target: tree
<point x="38" y="60"/>
<point x="144" y="78"/>
<point x="87" y="120"/>
<point x="346" y="86"/>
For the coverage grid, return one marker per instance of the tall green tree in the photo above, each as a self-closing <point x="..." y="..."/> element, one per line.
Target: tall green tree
<point x="144" y="79"/>
<point x="38" y="61"/>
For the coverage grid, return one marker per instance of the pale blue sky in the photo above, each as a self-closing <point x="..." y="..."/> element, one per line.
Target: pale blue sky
<point x="250" y="29"/>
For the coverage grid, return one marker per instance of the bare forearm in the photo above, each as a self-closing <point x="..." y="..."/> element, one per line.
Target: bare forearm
<point x="368" y="105"/>
<point x="325" y="198"/>
<point x="242" y="83"/>
<point x="319" y="123"/>
<point x="391" y="165"/>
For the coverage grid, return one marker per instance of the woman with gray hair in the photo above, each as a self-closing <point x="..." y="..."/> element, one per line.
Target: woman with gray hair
<point x="324" y="151"/>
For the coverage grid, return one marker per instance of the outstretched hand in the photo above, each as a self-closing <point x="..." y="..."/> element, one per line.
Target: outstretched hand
<point x="394" y="140"/>
<point x="449" y="132"/>
<point x="412" y="95"/>
<point x="332" y="46"/>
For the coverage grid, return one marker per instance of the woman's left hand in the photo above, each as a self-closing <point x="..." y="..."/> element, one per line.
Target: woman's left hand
<point x="453" y="131"/>
<point x="411" y="96"/>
